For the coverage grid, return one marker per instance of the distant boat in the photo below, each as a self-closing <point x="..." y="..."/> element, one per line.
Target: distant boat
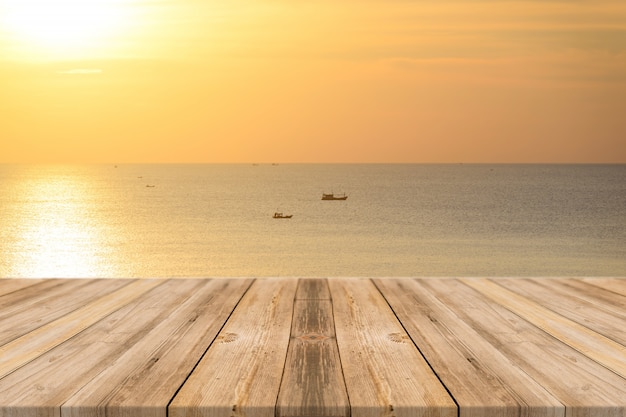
<point x="150" y="186"/>
<point x="279" y="215"/>
<point x="332" y="196"/>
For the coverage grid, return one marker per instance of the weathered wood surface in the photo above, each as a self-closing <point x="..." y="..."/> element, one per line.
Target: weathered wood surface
<point x="617" y="285"/>
<point x="29" y="346"/>
<point x="313" y="383"/>
<point x="149" y="373"/>
<point x="578" y="383"/>
<point x="240" y="374"/>
<point x="12" y="285"/>
<point x="47" y="301"/>
<point x="482" y="380"/>
<point x="385" y="373"/>
<point x="313" y="347"/>
<point x="595" y="346"/>
<point x="579" y="304"/>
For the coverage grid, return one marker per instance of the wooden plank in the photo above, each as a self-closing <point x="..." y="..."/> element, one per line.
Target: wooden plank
<point x="312" y="289"/>
<point x="31" y="345"/>
<point x="615" y="285"/>
<point x="16" y="296"/>
<point x="48" y="303"/>
<point x="147" y="375"/>
<point x="583" y="386"/>
<point x="9" y="285"/>
<point x="572" y="304"/>
<point x="604" y="299"/>
<point x="312" y="383"/>
<point x="128" y="358"/>
<point x="241" y="372"/>
<point x="41" y="386"/>
<point x="596" y="346"/>
<point x="384" y="372"/>
<point x="482" y="380"/>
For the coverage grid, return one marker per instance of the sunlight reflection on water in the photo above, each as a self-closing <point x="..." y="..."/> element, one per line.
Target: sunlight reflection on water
<point x="62" y="233"/>
<point x="399" y="220"/>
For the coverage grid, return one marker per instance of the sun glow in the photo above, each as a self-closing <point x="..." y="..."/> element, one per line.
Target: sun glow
<point x="62" y="237"/>
<point x="63" y="28"/>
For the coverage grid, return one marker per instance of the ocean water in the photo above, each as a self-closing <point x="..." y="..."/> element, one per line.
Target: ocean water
<point x="399" y="220"/>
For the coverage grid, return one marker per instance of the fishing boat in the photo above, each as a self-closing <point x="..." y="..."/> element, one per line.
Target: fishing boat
<point x="332" y="196"/>
<point x="279" y="215"/>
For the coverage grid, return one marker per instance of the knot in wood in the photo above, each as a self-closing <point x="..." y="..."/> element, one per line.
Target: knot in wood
<point x="397" y="337"/>
<point x="312" y="337"/>
<point x="227" y="337"/>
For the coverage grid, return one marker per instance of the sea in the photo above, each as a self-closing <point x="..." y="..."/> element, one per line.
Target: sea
<point x="399" y="220"/>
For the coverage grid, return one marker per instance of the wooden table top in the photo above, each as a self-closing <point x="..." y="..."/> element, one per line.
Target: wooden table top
<point x="313" y="347"/>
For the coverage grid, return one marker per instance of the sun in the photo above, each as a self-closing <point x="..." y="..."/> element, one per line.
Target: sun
<point x="63" y="28"/>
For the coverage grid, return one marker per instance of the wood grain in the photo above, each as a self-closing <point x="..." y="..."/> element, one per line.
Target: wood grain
<point x="28" y="293"/>
<point x="8" y="285"/>
<point x="615" y="285"/>
<point x="601" y="349"/>
<point x="482" y="380"/>
<point x="241" y="372"/>
<point x="312" y="289"/>
<point x="312" y="383"/>
<point x="583" y="386"/>
<point x="603" y="298"/>
<point x="42" y="385"/>
<point x="575" y="305"/>
<point x="42" y="304"/>
<point x="148" y="374"/>
<point x="384" y="372"/>
<point x="523" y="347"/>
<point x="31" y="345"/>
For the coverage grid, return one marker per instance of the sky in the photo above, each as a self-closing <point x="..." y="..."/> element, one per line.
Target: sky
<point x="369" y="81"/>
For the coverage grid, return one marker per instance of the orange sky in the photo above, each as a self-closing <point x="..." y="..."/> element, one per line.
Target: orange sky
<point x="118" y="81"/>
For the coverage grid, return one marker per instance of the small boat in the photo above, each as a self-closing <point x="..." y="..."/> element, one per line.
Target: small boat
<point x="279" y="215"/>
<point x="332" y="196"/>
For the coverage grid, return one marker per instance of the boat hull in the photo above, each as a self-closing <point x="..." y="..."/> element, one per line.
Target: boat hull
<point x="282" y="216"/>
<point x="334" y="197"/>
